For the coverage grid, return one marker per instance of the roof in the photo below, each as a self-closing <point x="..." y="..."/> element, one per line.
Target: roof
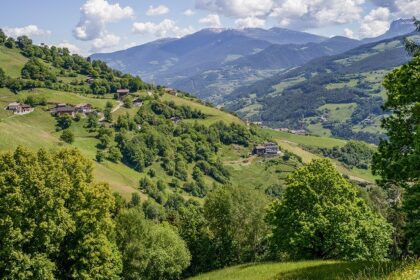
<point x="123" y="90"/>
<point x="14" y="104"/>
<point x="259" y="147"/>
<point x="25" y="106"/>
<point x="64" y="109"/>
<point x="83" y="105"/>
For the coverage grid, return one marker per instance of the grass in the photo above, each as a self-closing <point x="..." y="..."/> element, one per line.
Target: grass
<point x="315" y="141"/>
<point x="54" y="96"/>
<point x="293" y="143"/>
<point x="214" y="114"/>
<point x="319" y="270"/>
<point x="37" y="130"/>
<point x="339" y="112"/>
<point x="11" y="61"/>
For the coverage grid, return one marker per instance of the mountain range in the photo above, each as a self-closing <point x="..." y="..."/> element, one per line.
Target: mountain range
<point x="246" y="71"/>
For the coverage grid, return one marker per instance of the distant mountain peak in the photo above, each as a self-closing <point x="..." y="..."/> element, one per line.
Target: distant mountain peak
<point x="398" y="27"/>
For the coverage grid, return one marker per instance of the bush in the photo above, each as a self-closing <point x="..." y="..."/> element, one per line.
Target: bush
<point x="67" y="136"/>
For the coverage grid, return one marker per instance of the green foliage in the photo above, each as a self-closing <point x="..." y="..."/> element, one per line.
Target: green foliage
<point x="67" y="136"/>
<point x="352" y="154"/>
<point x="34" y="69"/>
<point x="235" y="220"/>
<point x="92" y="121"/>
<point x="128" y="102"/>
<point x="150" y="251"/>
<point x="322" y="216"/>
<point x="2" y="78"/>
<point x="398" y="157"/>
<point x="56" y="222"/>
<point x="64" y="121"/>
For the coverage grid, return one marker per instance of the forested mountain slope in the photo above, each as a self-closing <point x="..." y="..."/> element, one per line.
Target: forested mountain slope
<point x="339" y="95"/>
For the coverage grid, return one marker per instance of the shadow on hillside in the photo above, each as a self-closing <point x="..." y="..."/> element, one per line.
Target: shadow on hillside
<point x="341" y="271"/>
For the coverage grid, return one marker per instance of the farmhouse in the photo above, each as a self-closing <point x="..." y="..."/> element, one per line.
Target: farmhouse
<point x="19" y="108"/>
<point x="176" y="119"/>
<point x="84" y="109"/>
<point x="90" y="79"/>
<point x="62" y="109"/>
<point x="121" y="93"/>
<point x="268" y="149"/>
<point x="171" y="91"/>
<point x="137" y="102"/>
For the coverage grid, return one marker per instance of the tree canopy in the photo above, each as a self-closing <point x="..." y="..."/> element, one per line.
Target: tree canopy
<point x="322" y="216"/>
<point x="55" y="222"/>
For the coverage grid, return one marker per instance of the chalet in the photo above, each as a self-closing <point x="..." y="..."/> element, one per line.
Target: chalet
<point x="19" y="108"/>
<point x="137" y="102"/>
<point x="268" y="149"/>
<point x="171" y="91"/>
<point x="123" y="92"/>
<point x="298" y="132"/>
<point x="176" y="119"/>
<point x="62" y="109"/>
<point x="271" y="148"/>
<point x="84" y="109"/>
<point x="90" y="79"/>
<point x="259" y="150"/>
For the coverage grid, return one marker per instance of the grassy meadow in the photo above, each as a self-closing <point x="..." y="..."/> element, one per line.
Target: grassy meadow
<point x="317" y="270"/>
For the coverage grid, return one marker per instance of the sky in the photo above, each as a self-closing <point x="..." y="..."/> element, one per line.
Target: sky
<point x="89" y="26"/>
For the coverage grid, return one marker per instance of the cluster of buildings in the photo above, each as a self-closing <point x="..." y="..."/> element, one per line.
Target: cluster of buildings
<point x="267" y="149"/>
<point x="19" y="108"/>
<point x="293" y="131"/>
<point x="62" y="109"/>
<point x="171" y="91"/>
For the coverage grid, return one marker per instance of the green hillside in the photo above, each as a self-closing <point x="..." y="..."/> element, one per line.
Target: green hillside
<point x="38" y="129"/>
<point x="338" y="96"/>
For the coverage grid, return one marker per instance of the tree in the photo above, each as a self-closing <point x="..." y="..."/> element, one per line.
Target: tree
<point x="67" y="136"/>
<point x="2" y="78"/>
<point x="149" y="250"/>
<point x="10" y="43"/>
<point x="56" y="223"/>
<point x="322" y="216"/>
<point x="128" y="102"/>
<point x="92" y="121"/>
<point x="235" y="218"/>
<point x="3" y="37"/>
<point x="108" y="114"/>
<point x="64" y="121"/>
<point x="398" y="157"/>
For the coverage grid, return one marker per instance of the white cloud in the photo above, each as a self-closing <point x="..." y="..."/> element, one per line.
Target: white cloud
<point x="105" y="42"/>
<point x="72" y="48"/>
<point x="236" y="8"/>
<point x="157" y="11"/>
<point x="29" y="30"/>
<point x="249" y="22"/>
<point x="375" y="23"/>
<point x="189" y="13"/>
<point x="95" y="14"/>
<point x="349" y="33"/>
<point x="211" y="20"/>
<point x="299" y="14"/>
<point x="165" y="28"/>
<point x="408" y="8"/>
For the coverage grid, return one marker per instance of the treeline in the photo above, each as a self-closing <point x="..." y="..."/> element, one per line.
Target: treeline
<point x="352" y="154"/>
<point x="154" y="135"/>
<point x="47" y="64"/>
<point x="94" y="234"/>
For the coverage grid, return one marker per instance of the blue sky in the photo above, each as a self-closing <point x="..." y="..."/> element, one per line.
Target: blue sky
<point x="87" y="26"/>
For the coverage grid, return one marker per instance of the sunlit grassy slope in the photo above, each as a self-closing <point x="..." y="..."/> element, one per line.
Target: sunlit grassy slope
<point x="317" y="270"/>
<point x="11" y="61"/>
